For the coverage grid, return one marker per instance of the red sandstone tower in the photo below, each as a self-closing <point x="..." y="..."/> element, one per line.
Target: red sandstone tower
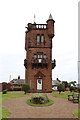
<point x="38" y="63"/>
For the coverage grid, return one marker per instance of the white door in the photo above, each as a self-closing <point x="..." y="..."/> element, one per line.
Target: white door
<point x="39" y="84"/>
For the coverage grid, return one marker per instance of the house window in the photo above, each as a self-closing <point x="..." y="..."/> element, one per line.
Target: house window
<point x="42" y="38"/>
<point x="38" y="38"/>
<point x="35" y="56"/>
<point x="39" y="56"/>
<point x="45" y="56"/>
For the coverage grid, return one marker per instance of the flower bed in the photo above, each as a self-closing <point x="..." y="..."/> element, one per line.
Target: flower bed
<point x="39" y="100"/>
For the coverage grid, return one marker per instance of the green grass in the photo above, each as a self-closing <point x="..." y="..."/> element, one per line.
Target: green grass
<point x="62" y="95"/>
<point x="40" y="105"/>
<point x="0" y="112"/>
<point x="77" y="113"/>
<point x="5" y="113"/>
<point x="0" y="96"/>
<point x="12" y="95"/>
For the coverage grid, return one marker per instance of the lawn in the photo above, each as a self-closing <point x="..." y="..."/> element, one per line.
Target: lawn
<point x="0" y="96"/>
<point x="5" y="113"/>
<point x="77" y="113"/>
<point x="62" y="94"/>
<point x="12" y="95"/>
<point x="9" y="95"/>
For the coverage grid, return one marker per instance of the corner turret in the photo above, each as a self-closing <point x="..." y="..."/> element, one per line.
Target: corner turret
<point x="50" y="26"/>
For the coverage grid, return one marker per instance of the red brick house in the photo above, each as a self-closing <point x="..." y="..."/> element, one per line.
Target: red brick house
<point x="17" y="83"/>
<point x="0" y="87"/>
<point x="38" y="63"/>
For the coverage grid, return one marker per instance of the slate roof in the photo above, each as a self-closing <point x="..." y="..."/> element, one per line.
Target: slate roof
<point x="55" y="82"/>
<point x="17" y="81"/>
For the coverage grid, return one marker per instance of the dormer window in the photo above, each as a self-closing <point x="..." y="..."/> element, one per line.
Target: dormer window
<point x="38" y="38"/>
<point x="42" y="38"/>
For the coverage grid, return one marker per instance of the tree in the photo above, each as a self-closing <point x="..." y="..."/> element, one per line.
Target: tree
<point x="9" y="87"/>
<point x="4" y="85"/>
<point x="71" y="88"/>
<point x="26" y="88"/>
<point x="73" y="83"/>
<point x="79" y="89"/>
<point x="69" y="85"/>
<point x="61" y="88"/>
<point x="65" y="83"/>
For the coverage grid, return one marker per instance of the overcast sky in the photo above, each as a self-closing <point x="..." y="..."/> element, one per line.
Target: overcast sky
<point x="16" y="14"/>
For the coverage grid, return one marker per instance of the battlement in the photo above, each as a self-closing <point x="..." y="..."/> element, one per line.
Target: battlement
<point x="36" y="26"/>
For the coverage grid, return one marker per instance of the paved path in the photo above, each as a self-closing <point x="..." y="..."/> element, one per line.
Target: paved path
<point x="62" y="108"/>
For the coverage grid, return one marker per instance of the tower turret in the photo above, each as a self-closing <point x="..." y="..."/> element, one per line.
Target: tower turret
<point x="50" y="26"/>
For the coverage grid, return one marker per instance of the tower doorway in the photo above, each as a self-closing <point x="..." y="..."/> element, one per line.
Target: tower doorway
<point x="39" y="84"/>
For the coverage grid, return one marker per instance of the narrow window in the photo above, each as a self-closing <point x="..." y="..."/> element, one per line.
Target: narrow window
<point x="42" y="38"/>
<point x="38" y="38"/>
<point x="39" y="56"/>
<point x="45" y="56"/>
<point x="35" y="56"/>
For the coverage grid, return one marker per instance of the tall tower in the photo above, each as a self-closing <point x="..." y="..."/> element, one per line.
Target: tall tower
<point x="38" y="63"/>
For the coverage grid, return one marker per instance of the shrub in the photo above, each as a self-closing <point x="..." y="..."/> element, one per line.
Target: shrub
<point x="71" y="88"/>
<point x="4" y="91"/>
<point x="65" y="83"/>
<point x="61" y="88"/>
<point x="39" y="98"/>
<point x="26" y="88"/>
<point x="17" y="89"/>
<point x="79" y="89"/>
<point x="4" y="85"/>
<point x="9" y="87"/>
<point x="75" y="89"/>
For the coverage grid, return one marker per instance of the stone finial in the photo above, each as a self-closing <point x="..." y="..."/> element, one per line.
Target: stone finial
<point x="50" y="17"/>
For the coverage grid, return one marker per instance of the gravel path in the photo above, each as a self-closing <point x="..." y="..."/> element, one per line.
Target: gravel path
<point x="62" y="108"/>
